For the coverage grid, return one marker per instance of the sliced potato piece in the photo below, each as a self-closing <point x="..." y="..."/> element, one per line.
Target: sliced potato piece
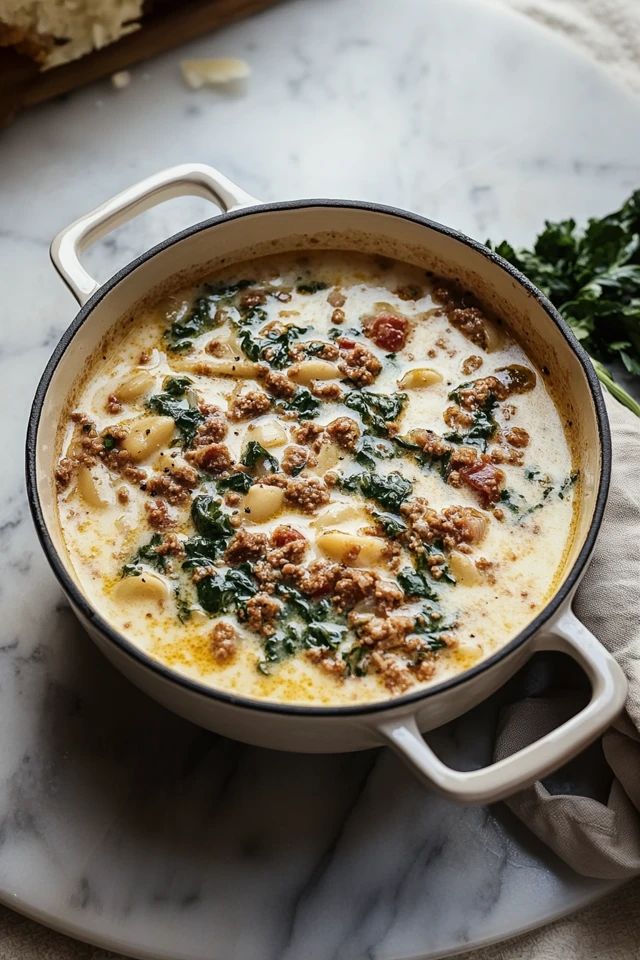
<point x="228" y="340"/>
<point x="262" y="502"/>
<point x="327" y="458"/>
<point x="308" y="370"/>
<point x="147" y="435"/>
<point x="269" y="433"/>
<point x="94" y="486"/>
<point x="341" y="513"/>
<point x="353" y="549"/>
<point x="464" y="569"/>
<point x="146" y="588"/>
<point x="232" y="367"/>
<point x="493" y="336"/>
<point x="478" y="523"/>
<point x="419" y="377"/>
<point x="134" y="386"/>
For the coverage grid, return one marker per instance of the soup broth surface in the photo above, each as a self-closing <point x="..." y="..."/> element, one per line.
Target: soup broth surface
<point x="319" y="478"/>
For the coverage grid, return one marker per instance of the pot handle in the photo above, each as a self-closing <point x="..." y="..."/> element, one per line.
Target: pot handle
<point x="188" y="179"/>
<point x="521" y="769"/>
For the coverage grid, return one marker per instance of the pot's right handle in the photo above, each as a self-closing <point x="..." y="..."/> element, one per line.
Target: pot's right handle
<point x="188" y="179"/>
<point x="513" y="773"/>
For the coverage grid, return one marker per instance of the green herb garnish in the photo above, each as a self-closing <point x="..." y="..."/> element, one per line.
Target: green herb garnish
<point x="593" y="277"/>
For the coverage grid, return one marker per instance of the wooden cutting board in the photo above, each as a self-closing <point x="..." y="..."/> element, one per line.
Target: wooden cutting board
<point x="23" y="84"/>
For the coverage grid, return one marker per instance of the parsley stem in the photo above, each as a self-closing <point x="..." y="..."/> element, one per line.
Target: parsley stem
<point x="614" y="388"/>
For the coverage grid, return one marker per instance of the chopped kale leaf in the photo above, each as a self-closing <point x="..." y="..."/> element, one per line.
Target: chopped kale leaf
<point x="512" y="501"/>
<point x="254" y="455"/>
<point x="176" y="386"/>
<point x="284" y="643"/>
<point x="435" y="549"/>
<point x="202" y="551"/>
<point x="303" y="403"/>
<point x="301" y="606"/>
<point x="325" y="634"/>
<point x="311" y="286"/>
<point x="568" y="483"/>
<point x="482" y="429"/>
<point x="236" y="482"/>
<point x="392" y="525"/>
<point x="377" y="410"/>
<point x="429" y="624"/>
<point x="274" y="347"/>
<point x="390" y="490"/>
<point x="370" y="449"/>
<point x="203" y="314"/>
<point x="415" y="584"/>
<point x="209" y="519"/>
<point x="187" y="418"/>
<point x="220" y="592"/>
<point x="183" y="607"/>
<point x="146" y="556"/>
<point x="355" y="661"/>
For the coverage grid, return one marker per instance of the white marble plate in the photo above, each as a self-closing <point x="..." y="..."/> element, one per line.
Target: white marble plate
<point x="121" y="824"/>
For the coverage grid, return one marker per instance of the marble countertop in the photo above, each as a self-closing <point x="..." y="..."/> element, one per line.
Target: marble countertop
<point x="120" y="823"/>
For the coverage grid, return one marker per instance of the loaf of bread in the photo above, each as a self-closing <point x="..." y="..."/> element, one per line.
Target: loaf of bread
<point x="52" y="32"/>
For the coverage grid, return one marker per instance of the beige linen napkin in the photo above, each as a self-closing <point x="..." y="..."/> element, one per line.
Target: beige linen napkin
<point x="595" y="839"/>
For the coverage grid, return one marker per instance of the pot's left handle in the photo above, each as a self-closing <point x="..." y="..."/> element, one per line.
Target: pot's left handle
<point x="188" y="179"/>
<point x="521" y="769"/>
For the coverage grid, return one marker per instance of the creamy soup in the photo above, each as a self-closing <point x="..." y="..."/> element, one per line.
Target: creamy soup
<point x="325" y="478"/>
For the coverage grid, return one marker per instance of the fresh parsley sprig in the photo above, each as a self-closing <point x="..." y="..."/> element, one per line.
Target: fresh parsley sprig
<point x="593" y="277"/>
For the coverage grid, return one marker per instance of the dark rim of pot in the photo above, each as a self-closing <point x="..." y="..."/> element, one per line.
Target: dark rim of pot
<point x="393" y="703"/>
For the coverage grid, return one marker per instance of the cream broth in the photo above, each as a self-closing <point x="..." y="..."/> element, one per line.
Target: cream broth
<point x="326" y="478"/>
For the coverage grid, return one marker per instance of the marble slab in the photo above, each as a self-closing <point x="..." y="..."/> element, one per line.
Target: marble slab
<point x="121" y="824"/>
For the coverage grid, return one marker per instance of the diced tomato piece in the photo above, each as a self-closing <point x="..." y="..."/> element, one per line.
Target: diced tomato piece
<point x="283" y="535"/>
<point x="345" y="343"/>
<point x="485" y="479"/>
<point x="389" y="332"/>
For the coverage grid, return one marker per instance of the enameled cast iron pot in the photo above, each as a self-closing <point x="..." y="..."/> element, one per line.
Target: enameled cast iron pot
<point x="247" y="227"/>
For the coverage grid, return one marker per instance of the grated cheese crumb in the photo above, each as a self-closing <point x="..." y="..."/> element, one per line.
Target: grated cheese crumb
<point x="121" y="79"/>
<point x="212" y="71"/>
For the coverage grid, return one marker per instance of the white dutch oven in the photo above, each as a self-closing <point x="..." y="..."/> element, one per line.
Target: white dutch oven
<point x="247" y="227"/>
